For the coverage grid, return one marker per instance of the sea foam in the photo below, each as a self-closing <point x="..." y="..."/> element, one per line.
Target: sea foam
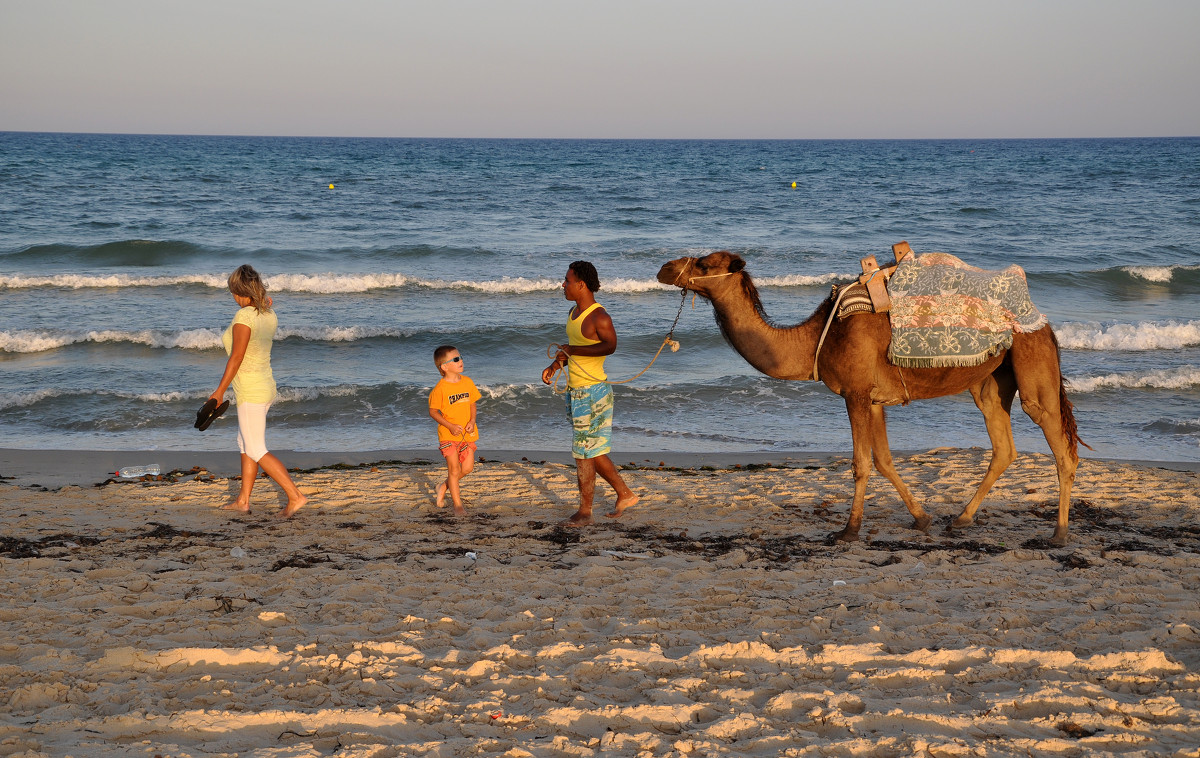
<point x="342" y="284"/>
<point x="1170" y="335"/>
<point x="32" y="397"/>
<point x="38" y="341"/>
<point x="1146" y="335"/>
<point x="1158" y="274"/>
<point x="1181" y="378"/>
<point x="801" y="280"/>
<point x="22" y="399"/>
<point x="110" y="281"/>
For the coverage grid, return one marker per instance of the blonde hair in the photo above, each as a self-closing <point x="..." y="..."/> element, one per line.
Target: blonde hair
<point x="245" y="282"/>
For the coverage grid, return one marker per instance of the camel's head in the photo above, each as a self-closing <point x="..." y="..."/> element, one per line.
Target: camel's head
<point x="701" y="275"/>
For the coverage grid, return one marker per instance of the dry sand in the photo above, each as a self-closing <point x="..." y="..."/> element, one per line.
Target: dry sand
<point x="713" y="620"/>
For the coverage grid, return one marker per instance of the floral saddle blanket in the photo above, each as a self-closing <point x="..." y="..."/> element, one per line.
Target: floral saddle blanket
<point x="947" y="313"/>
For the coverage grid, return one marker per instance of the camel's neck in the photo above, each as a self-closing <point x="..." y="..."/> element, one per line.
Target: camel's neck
<point x="779" y="352"/>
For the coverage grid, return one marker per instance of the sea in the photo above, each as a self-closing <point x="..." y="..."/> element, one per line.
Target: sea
<point x="115" y="251"/>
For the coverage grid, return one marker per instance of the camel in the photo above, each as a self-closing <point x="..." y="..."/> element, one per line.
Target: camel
<point x="853" y="363"/>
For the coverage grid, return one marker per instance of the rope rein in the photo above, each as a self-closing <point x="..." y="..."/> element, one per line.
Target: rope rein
<point x="553" y="350"/>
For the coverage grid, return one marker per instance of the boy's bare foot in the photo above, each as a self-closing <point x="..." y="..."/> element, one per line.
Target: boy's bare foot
<point x="293" y="506"/>
<point x="628" y="501"/>
<point x="441" y="495"/>
<point x="234" y="505"/>
<point x="579" y="519"/>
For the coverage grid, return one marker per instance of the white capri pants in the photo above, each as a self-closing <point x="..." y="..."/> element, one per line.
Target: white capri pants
<point x="252" y="429"/>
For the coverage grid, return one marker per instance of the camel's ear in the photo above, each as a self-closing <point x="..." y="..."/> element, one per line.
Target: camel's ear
<point x="736" y="264"/>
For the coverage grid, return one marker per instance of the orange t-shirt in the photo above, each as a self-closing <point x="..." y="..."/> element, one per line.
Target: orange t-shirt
<point x="454" y="400"/>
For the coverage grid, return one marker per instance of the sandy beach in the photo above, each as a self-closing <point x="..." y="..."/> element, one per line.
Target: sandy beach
<point x="714" y="619"/>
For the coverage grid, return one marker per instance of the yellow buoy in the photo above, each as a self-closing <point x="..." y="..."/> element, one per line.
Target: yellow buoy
<point x="331" y="186"/>
<point x="793" y="186"/>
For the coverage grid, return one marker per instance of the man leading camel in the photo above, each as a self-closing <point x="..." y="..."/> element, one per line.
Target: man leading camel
<point x="590" y="338"/>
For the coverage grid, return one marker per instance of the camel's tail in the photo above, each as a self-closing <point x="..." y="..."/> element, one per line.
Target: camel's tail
<point x="1068" y="421"/>
<point x="1065" y="408"/>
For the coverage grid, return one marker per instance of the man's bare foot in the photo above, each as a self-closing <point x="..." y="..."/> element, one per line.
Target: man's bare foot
<point x="293" y="506"/>
<point x="628" y="501"/>
<point x="579" y="519"/>
<point x="440" y="502"/>
<point x="234" y="505"/>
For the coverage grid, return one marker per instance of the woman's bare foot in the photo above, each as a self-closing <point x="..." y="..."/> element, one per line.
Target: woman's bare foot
<point x="294" y="504"/>
<point x="460" y="511"/>
<point x="234" y="505"/>
<point x="440" y="502"/>
<point x="628" y="501"/>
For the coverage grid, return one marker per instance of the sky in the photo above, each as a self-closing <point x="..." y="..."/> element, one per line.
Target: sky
<point x="751" y="69"/>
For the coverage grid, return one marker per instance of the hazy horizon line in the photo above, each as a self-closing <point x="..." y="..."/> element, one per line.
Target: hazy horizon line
<point x="593" y="139"/>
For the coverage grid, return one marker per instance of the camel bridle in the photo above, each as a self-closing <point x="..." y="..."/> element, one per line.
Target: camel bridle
<point x="684" y="270"/>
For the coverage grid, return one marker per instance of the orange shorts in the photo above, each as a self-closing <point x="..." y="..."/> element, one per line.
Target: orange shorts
<point x="464" y="449"/>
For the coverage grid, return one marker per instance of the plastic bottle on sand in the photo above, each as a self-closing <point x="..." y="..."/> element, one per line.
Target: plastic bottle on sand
<point x="137" y="472"/>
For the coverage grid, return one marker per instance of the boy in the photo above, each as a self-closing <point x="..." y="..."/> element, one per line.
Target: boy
<point x="452" y="406"/>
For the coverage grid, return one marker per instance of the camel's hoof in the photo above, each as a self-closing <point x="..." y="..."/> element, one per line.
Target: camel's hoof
<point x="960" y="522"/>
<point x="1059" y="539"/>
<point x="844" y="535"/>
<point x="922" y="524"/>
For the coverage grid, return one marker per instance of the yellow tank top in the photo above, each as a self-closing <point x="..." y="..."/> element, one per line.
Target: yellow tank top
<point x="585" y="370"/>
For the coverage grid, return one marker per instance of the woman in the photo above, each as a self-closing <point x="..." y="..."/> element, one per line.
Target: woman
<point x="248" y="344"/>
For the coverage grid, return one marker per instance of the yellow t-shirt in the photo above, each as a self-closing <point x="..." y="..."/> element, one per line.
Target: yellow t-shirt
<point x="254" y="382"/>
<point x="454" y="400"/>
<point x="584" y="370"/>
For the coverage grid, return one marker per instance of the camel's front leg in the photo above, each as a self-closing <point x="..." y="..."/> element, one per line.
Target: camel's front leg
<point x="860" y="430"/>
<point x="883" y="462"/>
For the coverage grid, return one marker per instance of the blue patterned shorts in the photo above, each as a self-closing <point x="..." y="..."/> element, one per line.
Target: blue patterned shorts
<point x="591" y="409"/>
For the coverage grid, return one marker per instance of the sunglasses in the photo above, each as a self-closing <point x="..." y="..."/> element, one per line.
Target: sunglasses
<point x="455" y="359"/>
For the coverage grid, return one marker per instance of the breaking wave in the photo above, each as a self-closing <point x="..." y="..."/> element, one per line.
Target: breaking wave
<point x="339" y="284"/>
<point x="38" y="341"/>
<point x="1146" y="335"/>
<point x="1181" y="378"/>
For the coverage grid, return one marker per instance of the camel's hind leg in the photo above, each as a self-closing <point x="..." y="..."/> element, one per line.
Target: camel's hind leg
<point x="1044" y="399"/>
<point x="882" y="453"/>
<point x="994" y="397"/>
